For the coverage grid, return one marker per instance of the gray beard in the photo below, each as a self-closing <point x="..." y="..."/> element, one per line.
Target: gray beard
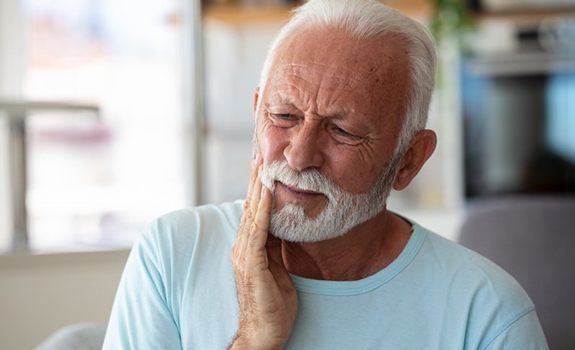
<point x="343" y="211"/>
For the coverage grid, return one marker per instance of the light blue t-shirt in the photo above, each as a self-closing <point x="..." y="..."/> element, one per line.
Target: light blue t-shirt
<point x="178" y="292"/>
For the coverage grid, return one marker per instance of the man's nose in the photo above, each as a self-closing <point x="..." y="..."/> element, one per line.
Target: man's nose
<point x="304" y="149"/>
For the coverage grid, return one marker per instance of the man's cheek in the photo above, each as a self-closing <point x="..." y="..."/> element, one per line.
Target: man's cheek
<point x="272" y="142"/>
<point x="266" y="147"/>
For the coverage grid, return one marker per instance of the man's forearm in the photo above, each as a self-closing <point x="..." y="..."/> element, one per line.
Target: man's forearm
<point x="242" y="343"/>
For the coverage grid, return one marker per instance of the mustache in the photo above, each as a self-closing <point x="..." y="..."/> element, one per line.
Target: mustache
<point x="307" y="180"/>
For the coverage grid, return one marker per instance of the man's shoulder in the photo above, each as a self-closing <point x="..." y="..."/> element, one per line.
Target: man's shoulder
<point x="471" y="267"/>
<point x="473" y="278"/>
<point x="186" y="228"/>
<point x="224" y="215"/>
<point x="471" y="290"/>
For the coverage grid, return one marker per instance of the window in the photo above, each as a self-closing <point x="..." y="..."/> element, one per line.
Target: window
<point x="97" y="181"/>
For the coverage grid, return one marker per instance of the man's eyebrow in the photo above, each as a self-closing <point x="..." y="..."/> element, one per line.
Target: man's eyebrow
<point x="283" y="100"/>
<point x="341" y="113"/>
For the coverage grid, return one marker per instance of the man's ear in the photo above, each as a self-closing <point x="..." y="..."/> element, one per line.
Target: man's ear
<point x="420" y="149"/>
<point x="256" y="98"/>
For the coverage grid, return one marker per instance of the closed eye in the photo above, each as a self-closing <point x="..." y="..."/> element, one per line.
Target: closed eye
<point x="343" y="136"/>
<point x="338" y="130"/>
<point x="284" y="120"/>
<point x="285" y="116"/>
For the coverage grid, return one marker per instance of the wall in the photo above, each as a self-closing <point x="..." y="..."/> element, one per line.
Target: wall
<point x="41" y="293"/>
<point x="11" y="67"/>
<point x="11" y="47"/>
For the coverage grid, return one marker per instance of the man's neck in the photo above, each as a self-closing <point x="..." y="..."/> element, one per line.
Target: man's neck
<point x="363" y="251"/>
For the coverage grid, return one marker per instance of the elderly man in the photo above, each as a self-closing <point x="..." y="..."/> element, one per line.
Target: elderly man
<point x="317" y="260"/>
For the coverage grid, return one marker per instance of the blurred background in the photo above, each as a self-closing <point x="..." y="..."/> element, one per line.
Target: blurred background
<point x="113" y="112"/>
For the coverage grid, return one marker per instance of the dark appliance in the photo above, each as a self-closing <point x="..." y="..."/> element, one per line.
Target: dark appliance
<point x="519" y="110"/>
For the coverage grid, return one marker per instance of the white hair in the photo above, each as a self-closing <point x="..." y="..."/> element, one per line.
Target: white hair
<point x="364" y="19"/>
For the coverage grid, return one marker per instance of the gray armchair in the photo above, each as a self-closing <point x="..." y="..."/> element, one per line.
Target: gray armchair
<point x="82" y="336"/>
<point x="532" y="238"/>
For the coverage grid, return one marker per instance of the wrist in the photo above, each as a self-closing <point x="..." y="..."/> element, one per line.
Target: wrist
<point x="243" y="342"/>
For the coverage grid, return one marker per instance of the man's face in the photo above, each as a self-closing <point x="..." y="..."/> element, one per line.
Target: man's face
<point x="333" y="105"/>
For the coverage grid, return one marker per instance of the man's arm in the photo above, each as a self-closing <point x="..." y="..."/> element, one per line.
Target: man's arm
<point x="525" y="333"/>
<point x="140" y="316"/>
<point x="266" y="295"/>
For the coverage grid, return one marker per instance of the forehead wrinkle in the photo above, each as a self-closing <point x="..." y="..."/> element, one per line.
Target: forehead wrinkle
<point x="335" y="92"/>
<point x="342" y="102"/>
<point x="290" y="94"/>
<point x="294" y="95"/>
<point x="300" y="70"/>
<point x="353" y="82"/>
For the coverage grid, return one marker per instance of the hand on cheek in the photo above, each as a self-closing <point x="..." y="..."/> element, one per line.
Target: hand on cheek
<point x="266" y="295"/>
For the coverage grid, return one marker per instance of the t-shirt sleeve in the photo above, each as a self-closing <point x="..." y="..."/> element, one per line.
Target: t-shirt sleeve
<point x="525" y="333"/>
<point x="141" y="317"/>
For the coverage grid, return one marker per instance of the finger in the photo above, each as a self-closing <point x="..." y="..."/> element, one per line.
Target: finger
<point x="245" y="219"/>
<point x="248" y="207"/>
<point x="256" y="162"/>
<point x="253" y="179"/>
<point x="264" y="209"/>
<point x="248" y="216"/>
<point x="241" y="235"/>
<point x="244" y="229"/>
<point x="257" y="159"/>
<point x="239" y="246"/>
<point x="259" y="234"/>
<point x="255" y="196"/>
